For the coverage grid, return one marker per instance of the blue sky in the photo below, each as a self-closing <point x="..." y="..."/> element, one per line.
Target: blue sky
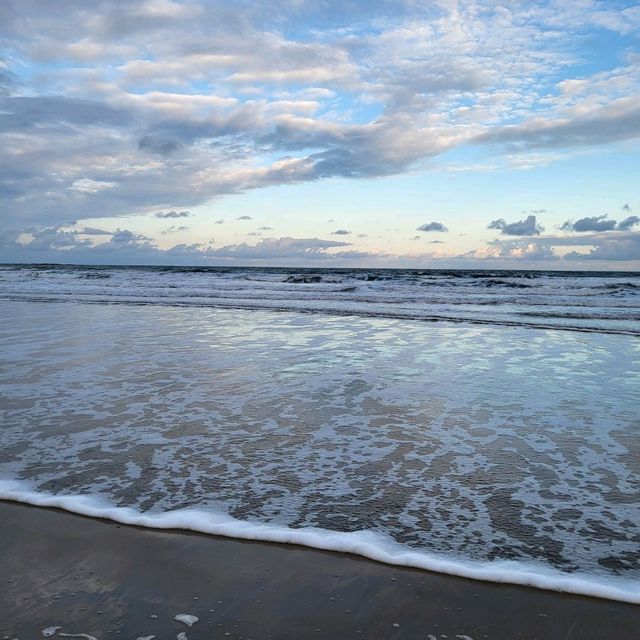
<point x="307" y="133"/>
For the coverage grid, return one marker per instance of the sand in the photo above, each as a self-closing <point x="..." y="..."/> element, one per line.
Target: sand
<point x="106" y="580"/>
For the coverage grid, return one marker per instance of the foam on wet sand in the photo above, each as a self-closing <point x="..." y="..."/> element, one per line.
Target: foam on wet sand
<point x="363" y="543"/>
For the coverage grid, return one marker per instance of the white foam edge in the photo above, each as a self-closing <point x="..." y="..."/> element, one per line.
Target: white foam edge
<point x="368" y="544"/>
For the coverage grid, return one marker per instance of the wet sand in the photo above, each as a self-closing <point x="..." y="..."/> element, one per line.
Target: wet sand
<point x="107" y="580"/>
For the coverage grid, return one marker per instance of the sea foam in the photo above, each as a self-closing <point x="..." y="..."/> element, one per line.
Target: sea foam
<point x="455" y="448"/>
<point x="368" y="544"/>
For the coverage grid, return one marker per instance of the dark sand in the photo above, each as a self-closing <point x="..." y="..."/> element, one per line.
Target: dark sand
<point x="99" y="578"/>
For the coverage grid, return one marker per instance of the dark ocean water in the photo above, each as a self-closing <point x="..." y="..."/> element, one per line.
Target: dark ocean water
<point x="596" y="301"/>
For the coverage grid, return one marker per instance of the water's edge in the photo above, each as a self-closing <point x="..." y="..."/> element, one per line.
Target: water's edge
<point x="367" y="544"/>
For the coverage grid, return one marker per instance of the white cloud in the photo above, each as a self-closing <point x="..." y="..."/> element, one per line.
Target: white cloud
<point x="174" y="104"/>
<point x="618" y="246"/>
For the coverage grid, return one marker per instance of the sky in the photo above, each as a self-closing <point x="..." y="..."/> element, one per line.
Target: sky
<point x="351" y="133"/>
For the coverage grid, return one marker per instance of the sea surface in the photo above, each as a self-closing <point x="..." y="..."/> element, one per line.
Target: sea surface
<point x="484" y="424"/>
<point x="597" y="301"/>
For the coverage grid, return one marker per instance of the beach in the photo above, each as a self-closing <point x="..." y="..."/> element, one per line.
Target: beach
<point x="319" y="320"/>
<point x="99" y="578"/>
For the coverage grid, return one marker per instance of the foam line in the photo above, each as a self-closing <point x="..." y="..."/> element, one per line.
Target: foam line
<point x="362" y="543"/>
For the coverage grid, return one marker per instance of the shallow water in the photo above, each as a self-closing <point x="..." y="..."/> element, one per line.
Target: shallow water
<point x="463" y="443"/>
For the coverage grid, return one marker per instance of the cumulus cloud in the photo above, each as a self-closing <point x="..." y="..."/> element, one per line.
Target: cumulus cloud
<point x="628" y="223"/>
<point x="618" y="248"/>
<point x="530" y="251"/>
<point x="512" y="250"/>
<point x="594" y="223"/>
<point x="53" y="238"/>
<point x="600" y="223"/>
<point x="528" y="227"/>
<point x="60" y="244"/>
<point x="124" y="236"/>
<point x="244" y="218"/>
<point x="172" y="214"/>
<point x="341" y="232"/>
<point x="433" y="226"/>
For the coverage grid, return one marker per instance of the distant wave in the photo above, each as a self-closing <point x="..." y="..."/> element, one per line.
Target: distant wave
<point x="578" y="301"/>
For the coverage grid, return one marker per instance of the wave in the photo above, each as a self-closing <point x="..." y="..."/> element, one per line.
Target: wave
<point x="494" y="282"/>
<point x="367" y="544"/>
<point x="621" y="285"/>
<point x="521" y="319"/>
<point x="585" y="301"/>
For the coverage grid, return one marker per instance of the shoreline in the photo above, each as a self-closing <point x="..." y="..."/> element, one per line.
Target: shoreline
<point x="98" y="577"/>
<point x="362" y="544"/>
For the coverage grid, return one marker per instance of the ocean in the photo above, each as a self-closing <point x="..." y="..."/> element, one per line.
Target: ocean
<point x="483" y="424"/>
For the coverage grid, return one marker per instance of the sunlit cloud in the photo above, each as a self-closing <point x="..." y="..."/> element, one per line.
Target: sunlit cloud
<point x="130" y="113"/>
